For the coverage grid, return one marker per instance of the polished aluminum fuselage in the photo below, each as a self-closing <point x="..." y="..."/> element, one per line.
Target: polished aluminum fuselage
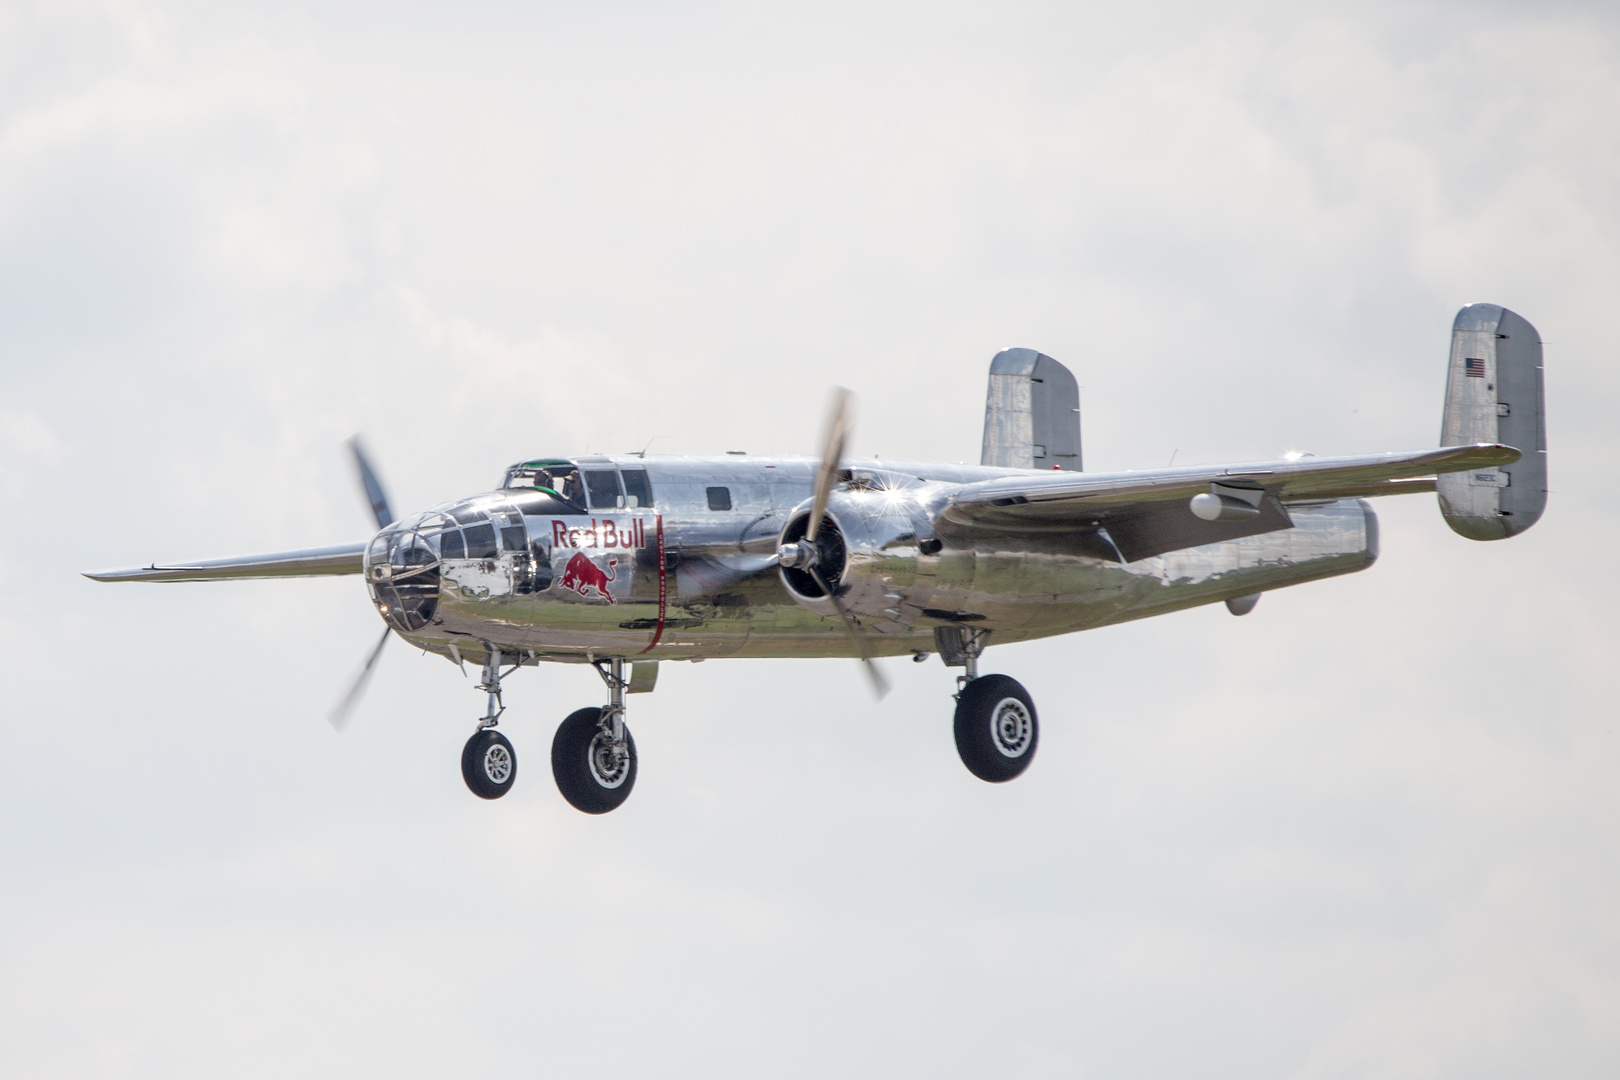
<point x="679" y="580"/>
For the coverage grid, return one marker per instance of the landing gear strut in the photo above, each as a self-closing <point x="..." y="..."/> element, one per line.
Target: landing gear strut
<point x="996" y="726"/>
<point x="593" y="756"/>
<point x="488" y="762"/>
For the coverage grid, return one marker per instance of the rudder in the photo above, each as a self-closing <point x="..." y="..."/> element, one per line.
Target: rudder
<point x="1031" y="413"/>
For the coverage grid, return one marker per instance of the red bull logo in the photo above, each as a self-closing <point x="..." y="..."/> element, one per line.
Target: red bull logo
<point x="605" y="533"/>
<point x="588" y="580"/>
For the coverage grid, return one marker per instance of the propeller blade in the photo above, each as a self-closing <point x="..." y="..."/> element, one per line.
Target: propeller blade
<point x="880" y="685"/>
<point x="832" y="454"/>
<point x="339" y="718"/>
<point x="371" y="485"/>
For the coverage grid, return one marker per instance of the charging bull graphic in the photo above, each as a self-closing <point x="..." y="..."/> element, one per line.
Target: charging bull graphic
<point x="586" y="579"/>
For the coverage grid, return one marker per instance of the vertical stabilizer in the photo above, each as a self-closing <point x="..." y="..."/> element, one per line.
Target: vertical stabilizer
<point x="1032" y="413"/>
<point x="1494" y="395"/>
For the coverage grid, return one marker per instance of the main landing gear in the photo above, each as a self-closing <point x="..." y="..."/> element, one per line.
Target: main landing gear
<point x="996" y="726"/>
<point x="593" y="756"/>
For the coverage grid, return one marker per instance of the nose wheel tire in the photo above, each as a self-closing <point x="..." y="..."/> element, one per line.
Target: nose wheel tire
<point x="996" y="728"/>
<point x="593" y="775"/>
<point x="488" y="764"/>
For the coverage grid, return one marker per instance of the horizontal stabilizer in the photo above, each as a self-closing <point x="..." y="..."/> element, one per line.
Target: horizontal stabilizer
<point x="310" y="562"/>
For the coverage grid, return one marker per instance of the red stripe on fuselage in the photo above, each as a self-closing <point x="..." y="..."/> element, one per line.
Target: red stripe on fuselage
<point x="663" y="593"/>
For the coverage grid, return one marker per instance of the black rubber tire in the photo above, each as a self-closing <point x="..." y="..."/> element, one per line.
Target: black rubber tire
<point x="488" y="764"/>
<point x="996" y="728"/>
<point x="571" y="765"/>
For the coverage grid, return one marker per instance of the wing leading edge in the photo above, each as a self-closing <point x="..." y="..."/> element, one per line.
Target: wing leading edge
<point x="309" y="562"/>
<point x="1140" y="514"/>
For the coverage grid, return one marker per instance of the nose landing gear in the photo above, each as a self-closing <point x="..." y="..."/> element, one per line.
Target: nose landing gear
<point x="488" y="762"/>
<point x="593" y="756"/>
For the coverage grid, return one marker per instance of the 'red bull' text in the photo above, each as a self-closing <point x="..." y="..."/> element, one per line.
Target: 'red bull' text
<point x="599" y="534"/>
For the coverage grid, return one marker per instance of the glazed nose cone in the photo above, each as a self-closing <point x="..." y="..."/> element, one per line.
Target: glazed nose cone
<point x="402" y="570"/>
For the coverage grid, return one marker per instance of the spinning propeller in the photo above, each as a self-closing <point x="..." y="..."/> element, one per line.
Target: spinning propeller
<point x="373" y="489"/>
<point x="807" y="554"/>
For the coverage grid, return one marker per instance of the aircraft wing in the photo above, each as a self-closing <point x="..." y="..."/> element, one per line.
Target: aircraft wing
<point x="310" y="562"/>
<point x="1136" y="515"/>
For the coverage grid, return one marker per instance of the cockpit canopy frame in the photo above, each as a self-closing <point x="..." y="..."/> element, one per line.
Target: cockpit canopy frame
<point x="583" y="487"/>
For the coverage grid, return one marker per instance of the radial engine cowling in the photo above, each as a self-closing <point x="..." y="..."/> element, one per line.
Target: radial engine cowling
<point x="865" y="552"/>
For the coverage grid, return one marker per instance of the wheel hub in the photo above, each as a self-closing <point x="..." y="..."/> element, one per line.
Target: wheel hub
<point x="609" y="761"/>
<point x="1011" y="727"/>
<point x="497" y="764"/>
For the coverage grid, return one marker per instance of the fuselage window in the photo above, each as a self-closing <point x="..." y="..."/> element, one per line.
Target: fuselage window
<point x="637" y="488"/>
<point x="480" y="542"/>
<point x="604" y="489"/>
<point x="719" y="498"/>
<point x="515" y="537"/>
<point x="450" y="545"/>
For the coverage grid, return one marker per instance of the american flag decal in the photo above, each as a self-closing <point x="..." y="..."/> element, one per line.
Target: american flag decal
<point x="1474" y="367"/>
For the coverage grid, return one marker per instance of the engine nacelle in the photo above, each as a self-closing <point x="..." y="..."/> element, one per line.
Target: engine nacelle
<point x="865" y="552"/>
<point x="809" y="569"/>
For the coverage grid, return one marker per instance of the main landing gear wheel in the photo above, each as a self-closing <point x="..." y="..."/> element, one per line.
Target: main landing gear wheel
<point x="996" y="728"/>
<point x="593" y="775"/>
<point x="488" y="764"/>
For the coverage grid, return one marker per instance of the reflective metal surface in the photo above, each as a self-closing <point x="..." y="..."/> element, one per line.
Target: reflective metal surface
<point x="1031" y="413"/>
<point x="1494" y="394"/>
<point x="609" y="559"/>
<point x="309" y="562"/>
<point x="535" y="578"/>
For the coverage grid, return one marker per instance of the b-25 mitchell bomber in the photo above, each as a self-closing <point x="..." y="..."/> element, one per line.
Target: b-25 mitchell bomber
<point x="624" y="562"/>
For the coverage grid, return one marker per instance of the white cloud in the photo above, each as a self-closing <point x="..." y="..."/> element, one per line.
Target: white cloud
<point x="1363" y="830"/>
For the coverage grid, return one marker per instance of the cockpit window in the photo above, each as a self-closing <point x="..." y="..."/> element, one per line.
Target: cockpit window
<point x="556" y="478"/>
<point x="532" y="474"/>
<point x="604" y="488"/>
<point x="637" y="491"/>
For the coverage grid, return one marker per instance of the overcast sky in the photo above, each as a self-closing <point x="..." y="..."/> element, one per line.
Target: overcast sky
<point x="1369" y="830"/>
